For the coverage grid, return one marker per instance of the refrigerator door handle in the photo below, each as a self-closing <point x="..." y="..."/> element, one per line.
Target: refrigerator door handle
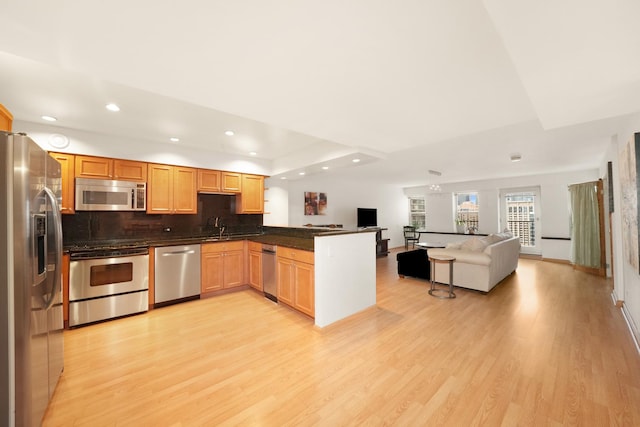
<point x="57" y="232"/>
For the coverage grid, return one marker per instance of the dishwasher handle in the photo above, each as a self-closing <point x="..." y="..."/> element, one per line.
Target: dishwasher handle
<point x="268" y="249"/>
<point x="186" y="251"/>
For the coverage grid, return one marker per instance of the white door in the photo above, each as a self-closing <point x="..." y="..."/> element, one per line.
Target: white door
<point x="520" y="213"/>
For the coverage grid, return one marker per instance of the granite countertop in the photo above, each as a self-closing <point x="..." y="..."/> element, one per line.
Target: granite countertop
<point x="303" y="243"/>
<point x="293" y="237"/>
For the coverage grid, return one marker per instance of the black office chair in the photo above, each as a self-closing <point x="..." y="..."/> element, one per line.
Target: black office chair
<point x="410" y="235"/>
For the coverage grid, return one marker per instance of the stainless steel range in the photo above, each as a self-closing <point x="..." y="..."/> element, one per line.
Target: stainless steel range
<point x="107" y="283"/>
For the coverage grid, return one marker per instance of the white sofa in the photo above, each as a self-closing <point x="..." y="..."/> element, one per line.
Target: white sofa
<point x="481" y="262"/>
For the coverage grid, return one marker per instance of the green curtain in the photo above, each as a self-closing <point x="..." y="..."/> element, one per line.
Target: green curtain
<point x="585" y="233"/>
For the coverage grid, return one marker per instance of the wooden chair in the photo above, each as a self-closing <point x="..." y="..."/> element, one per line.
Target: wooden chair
<point x="410" y="235"/>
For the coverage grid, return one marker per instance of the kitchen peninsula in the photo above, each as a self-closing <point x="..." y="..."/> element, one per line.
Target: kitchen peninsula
<point x="337" y="267"/>
<point x="345" y="268"/>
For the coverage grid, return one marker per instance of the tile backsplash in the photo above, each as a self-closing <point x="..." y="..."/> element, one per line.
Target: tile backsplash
<point x="89" y="226"/>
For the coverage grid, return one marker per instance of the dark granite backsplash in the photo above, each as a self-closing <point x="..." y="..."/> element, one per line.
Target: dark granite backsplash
<point x="89" y="226"/>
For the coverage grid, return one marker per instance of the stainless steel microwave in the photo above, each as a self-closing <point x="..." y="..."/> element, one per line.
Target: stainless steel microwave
<point x="107" y="195"/>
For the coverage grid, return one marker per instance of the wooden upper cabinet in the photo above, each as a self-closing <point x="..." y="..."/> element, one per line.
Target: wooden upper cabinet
<point x="185" y="195"/>
<point x="171" y="189"/>
<point x="94" y="167"/>
<point x="6" y="119"/>
<point x="251" y="199"/>
<point x="160" y="189"/>
<point x="208" y="181"/>
<point x="129" y="170"/>
<point x="106" y="168"/>
<point x="67" y="163"/>
<point x="231" y="182"/>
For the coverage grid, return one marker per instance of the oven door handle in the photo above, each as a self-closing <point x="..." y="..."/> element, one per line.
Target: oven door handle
<point x="186" y="251"/>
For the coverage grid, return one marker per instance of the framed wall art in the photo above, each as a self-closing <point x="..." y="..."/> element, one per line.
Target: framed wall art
<point x="629" y="204"/>
<point x="315" y="203"/>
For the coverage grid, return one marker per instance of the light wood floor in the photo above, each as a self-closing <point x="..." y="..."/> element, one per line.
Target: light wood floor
<point x="546" y="347"/>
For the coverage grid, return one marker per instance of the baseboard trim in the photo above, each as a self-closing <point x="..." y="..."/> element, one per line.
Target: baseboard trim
<point x="597" y="271"/>
<point x="632" y="330"/>
<point x="557" y="261"/>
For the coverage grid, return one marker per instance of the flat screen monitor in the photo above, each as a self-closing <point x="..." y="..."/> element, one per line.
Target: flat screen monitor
<point x="367" y="217"/>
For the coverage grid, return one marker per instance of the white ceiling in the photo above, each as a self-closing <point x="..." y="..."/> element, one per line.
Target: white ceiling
<point x="455" y="86"/>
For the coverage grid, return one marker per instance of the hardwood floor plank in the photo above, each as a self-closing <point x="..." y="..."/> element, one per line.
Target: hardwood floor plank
<point x="545" y="347"/>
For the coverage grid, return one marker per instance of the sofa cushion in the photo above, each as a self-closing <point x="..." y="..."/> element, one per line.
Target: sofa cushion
<point x="493" y="238"/>
<point x="505" y="235"/>
<point x="473" y="244"/>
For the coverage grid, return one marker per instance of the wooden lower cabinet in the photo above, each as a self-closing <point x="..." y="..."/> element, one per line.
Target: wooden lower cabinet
<point x="295" y="276"/>
<point x="255" y="265"/>
<point x="304" y="296"/>
<point x="286" y="281"/>
<point x="222" y="266"/>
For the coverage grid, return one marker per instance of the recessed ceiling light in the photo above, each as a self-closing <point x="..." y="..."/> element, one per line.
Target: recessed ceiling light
<point x="229" y="133"/>
<point x="301" y="173"/>
<point x="253" y="153"/>
<point x="48" y="118"/>
<point x="325" y="168"/>
<point x="355" y="160"/>
<point x="112" y="107"/>
<point x="174" y="139"/>
<point x="516" y="157"/>
<point x="283" y="177"/>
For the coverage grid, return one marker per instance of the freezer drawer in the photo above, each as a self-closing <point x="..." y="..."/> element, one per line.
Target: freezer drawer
<point x="177" y="272"/>
<point x="96" y="309"/>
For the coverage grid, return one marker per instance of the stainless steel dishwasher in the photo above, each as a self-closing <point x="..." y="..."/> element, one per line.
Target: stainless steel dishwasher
<point x="269" y="285"/>
<point x="177" y="273"/>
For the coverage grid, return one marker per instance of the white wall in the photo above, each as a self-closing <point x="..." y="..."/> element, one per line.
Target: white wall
<point x="554" y="205"/>
<point x="276" y="205"/>
<point x="626" y="278"/>
<point x="344" y="197"/>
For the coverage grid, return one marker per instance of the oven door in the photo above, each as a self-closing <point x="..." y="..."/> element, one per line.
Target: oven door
<point x="91" y="278"/>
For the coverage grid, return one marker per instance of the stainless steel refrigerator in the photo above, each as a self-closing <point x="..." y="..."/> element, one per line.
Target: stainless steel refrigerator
<point x="31" y="318"/>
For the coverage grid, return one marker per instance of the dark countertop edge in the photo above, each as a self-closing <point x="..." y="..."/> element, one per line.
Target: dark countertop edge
<point x="451" y="233"/>
<point x="280" y="236"/>
<point x="303" y="243"/>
